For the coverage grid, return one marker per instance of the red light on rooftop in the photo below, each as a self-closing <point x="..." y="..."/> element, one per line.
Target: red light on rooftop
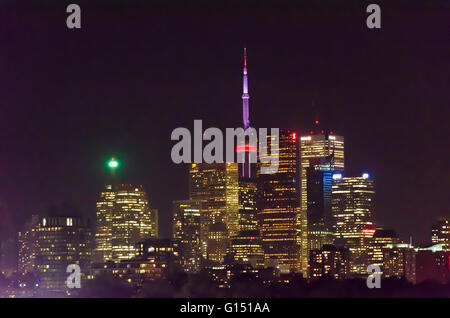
<point x="317" y="122"/>
<point x="294" y="136"/>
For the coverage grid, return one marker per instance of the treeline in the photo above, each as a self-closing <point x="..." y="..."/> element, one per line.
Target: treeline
<point x="245" y="286"/>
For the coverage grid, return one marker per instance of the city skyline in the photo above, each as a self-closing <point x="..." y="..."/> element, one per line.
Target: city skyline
<point x="71" y="152"/>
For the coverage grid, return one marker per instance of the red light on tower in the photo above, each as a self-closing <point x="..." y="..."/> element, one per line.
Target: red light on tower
<point x="317" y="122"/>
<point x="294" y="136"/>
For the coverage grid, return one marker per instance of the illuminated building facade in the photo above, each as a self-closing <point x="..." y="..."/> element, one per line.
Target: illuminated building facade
<point x="186" y="229"/>
<point x="381" y="239"/>
<point x="330" y="261"/>
<point x="321" y="152"/>
<point x="154" y="259"/>
<point x="318" y="210"/>
<point x="216" y="186"/>
<point x="61" y="241"/>
<point x="399" y="260"/>
<point x="28" y="246"/>
<point x="246" y="247"/>
<point x="279" y="204"/>
<point x="352" y="206"/>
<point x="154" y="224"/>
<point x="123" y="219"/>
<point x="440" y="233"/>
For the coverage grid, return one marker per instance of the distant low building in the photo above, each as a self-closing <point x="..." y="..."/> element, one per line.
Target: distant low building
<point x="329" y="261"/>
<point x="381" y="239"/>
<point x="433" y="264"/>
<point x="399" y="260"/>
<point x="154" y="259"/>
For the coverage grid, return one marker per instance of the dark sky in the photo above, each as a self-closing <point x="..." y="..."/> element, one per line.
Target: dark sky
<point x="69" y="99"/>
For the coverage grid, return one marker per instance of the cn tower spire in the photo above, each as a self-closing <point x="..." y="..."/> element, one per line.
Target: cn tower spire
<point x="245" y="95"/>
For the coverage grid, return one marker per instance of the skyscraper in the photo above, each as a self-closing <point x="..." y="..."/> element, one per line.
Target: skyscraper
<point x="318" y="208"/>
<point x="186" y="229"/>
<point x="279" y="204"/>
<point x="123" y="219"/>
<point x="380" y="240"/>
<point x="353" y="204"/>
<point x="61" y="241"/>
<point x="246" y="247"/>
<point x="321" y="152"/>
<point x="28" y="246"/>
<point x="154" y="223"/>
<point x="216" y="186"/>
<point x="440" y="233"/>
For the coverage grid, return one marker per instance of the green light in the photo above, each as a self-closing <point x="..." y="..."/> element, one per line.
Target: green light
<point x="113" y="163"/>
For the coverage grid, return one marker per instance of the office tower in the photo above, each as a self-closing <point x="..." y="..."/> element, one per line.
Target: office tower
<point x="123" y="219"/>
<point x="61" y="241"/>
<point x="246" y="247"/>
<point x="216" y="186"/>
<point x="318" y="208"/>
<point x="154" y="226"/>
<point x="440" y="233"/>
<point x="279" y="204"/>
<point x="329" y="260"/>
<point x="186" y="229"/>
<point x="380" y="240"/>
<point x="399" y="260"/>
<point x="321" y="152"/>
<point x="28" y="246"/>
<point x="352" y="205"/>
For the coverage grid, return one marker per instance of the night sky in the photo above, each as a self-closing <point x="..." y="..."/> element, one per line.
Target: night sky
<point x="69" y="99"/>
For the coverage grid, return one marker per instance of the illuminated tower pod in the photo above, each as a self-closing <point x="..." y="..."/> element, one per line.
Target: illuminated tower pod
<point x="279" y="205"/>
<point x="314" y="147"/>
<point x="216" y="186"/>
<point x="123" y="219"/>
<point x="186" y="230"/>
<point x="352" y="205"/>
